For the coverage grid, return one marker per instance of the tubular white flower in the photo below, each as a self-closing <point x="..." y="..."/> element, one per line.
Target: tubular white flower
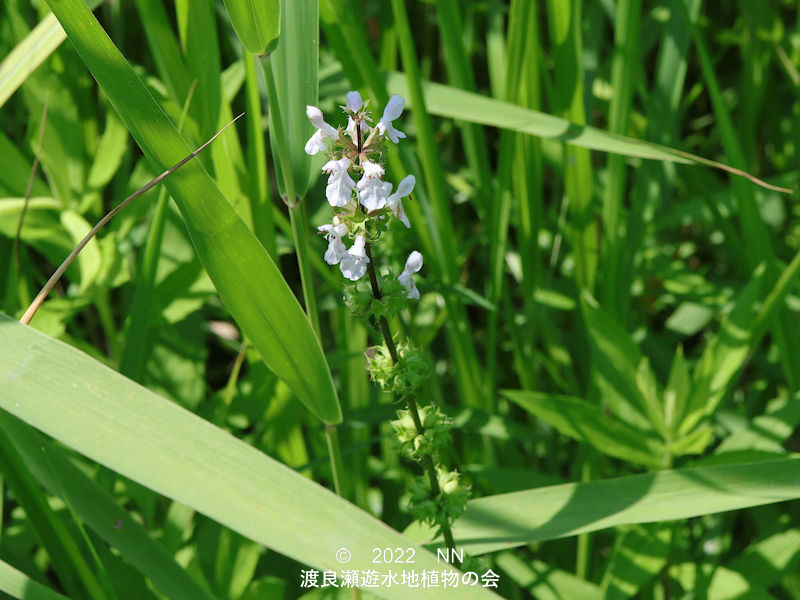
<point x="372" y="191"/>
<point x="316" y="142"/>
<point x="373" y="169"/>
<point x="355" y="105"/>
<point x="354" y="101"/>
<point x="394" y="202"/>
<point x="354" y="263"/>
<point x="406" y="278"/>
<point x="340" y="184"/>
<point x="394" y="108"/>
<point x="336" y="249"/>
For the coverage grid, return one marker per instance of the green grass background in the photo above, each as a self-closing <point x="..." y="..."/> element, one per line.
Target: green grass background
<point x="610" y="319"/>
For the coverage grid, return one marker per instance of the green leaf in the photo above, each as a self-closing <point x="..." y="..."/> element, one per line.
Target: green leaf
<point x="458" y="104"/>
<point x="724" y="354"/>
<point x="18" y="585"/>
<point x="61" y="542"/>
<point x="623" y="375"/>
<point x="120" y="424"/>
<point x="295" y="66"/>
<point x="639" y="554"/>
<point x="676" y="393"/>
<point x="765" y="563"/>
<point x="54" y="470"/>
<point x="545" y="582"/>
<point x="587" y="423"/>
<point x="257" y="23"/>
<point x="520" y="518"/>
<point x="246" y="278"/>
<point x="31" y="52"/>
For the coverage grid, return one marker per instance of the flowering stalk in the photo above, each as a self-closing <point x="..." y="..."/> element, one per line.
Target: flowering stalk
<point x="363" y="206"/>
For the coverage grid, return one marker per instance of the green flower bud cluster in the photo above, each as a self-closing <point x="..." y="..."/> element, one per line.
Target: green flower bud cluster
<point x="444" y="508"/>
<point x="361" y="302"/>
<point x="402" y="377"/>
<point x="436" y="426"/>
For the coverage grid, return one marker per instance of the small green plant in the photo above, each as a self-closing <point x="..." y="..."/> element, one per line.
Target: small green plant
<point x="362" y="211"/>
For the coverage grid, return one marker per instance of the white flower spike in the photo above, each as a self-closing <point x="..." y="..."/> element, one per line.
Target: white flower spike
<point x="394" y="108"/>
<point x="316" y="142"/>
<point x="394" y="202"/>
<point x="372" y="191"/>
<point x="413" y="265"/>
<point x="336" y="249"/>
<point x="354" y="263"/>
<point x="340" y="184"/>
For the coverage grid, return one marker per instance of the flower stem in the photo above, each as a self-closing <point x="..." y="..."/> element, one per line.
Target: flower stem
<point x="413" y="409"/>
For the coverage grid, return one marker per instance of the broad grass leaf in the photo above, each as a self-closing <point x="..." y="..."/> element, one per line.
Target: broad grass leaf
<point x="520" y="518"/>
<point x="153" y="441"/>
<point x="244" y="274"/>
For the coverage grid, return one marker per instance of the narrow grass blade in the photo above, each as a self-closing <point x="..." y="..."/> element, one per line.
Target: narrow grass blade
<point x="295" y="64"/>
<point x="169" y="62"/>
<point x="18" y="585"/>
<point x="62" y="544"/>
<point x="31" y="52"/>
<point x="453" y="103"/>
<point x="566" y="40"/>
<point x="623" y="71"/>
<point x="257" y="23"/>
<point x="198" y="33"/>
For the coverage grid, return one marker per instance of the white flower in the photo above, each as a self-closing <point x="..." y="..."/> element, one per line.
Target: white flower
<point x="372" y="191"/>
<point x="354" y="101"/>
<point x="393" y="110"/>
<point x="354" y="263"/>
<point x="333" y="233"/>
<point x="317" y="141"/>
<point x="373" y="169"/>
<point x="340" y="184"/>
<point x="394" y="202"/>
<point x="413" y="265"/>
<point x="354" y="104"/>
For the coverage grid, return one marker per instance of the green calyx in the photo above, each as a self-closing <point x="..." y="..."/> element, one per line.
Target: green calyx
<point x="403" y="377"/>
